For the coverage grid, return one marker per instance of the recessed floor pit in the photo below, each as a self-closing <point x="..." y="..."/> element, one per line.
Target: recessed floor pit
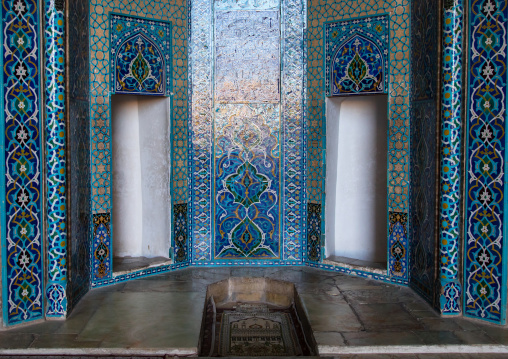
<point x="254" y="317"/>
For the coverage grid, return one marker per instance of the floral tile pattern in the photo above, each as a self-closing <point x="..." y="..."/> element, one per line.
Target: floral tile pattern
<point x="485" y="245"/>
<point x="356" y="56"/>
<point x="56" y="172"/>
<point x="248" y="159"/>
<point x="23" y="298"/>
<point x="141" y="55"/>
<point x="451" y="143"/>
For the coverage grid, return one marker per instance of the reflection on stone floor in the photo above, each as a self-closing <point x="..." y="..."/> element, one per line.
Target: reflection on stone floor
<point x="162" y="315"/>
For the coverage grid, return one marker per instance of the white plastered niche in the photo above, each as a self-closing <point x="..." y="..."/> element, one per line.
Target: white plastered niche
<point x="141" y="176"/>
<point x="356" y="177"/>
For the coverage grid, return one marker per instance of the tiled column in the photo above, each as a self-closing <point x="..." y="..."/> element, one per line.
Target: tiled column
<point x="485" y="247"/>
<point x="451" y="128"/>
<point x="20" y="180"/>
<point x="54" y="63"/>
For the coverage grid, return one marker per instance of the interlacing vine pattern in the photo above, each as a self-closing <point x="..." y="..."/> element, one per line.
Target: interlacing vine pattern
<point x="56" y="195"/>
<point x="22" y="208"/>
<point x="484" y="267"/>
<point x="248" y="196"/>
<point x="451" y="143"/>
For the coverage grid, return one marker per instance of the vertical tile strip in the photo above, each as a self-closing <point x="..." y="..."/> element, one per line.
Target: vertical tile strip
<point x="294" y="18"/>
<point x="201" y="128"/>
<point x="22" y="252"/>
<point x="54" y="66"/>
<point x="78" y="151"/>
<point x="422" y="232"/>
<point x="451" y="139"/>
<point x="485" y="217"/>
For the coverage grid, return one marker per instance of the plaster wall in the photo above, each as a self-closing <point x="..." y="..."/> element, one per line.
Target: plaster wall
<point x="356" y="188"/>
<point x="141" y="219"/>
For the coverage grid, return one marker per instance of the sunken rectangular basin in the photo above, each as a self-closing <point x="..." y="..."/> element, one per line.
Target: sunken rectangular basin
<point x="246" y="316"/>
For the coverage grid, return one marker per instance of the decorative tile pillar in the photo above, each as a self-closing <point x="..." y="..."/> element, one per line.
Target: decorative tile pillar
<point x="451" y="139"/>
<point x="20" y="183"/>
<point x="485" y="247"/>
<point x="54" y="63"/>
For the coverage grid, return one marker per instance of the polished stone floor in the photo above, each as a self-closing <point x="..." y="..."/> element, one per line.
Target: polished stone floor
<point x="351" y="318"/>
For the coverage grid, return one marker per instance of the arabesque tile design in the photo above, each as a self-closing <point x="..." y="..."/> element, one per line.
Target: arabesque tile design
<point x="356" y="56"/>
<point x="485" y="217"/>
<point x="22" y="229"/>
<point x="56" y="172"/>
<point x="451" y="144"/>
<point x="141" y="56"/>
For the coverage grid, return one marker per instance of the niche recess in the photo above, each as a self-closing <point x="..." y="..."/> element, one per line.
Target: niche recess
<point x="141" y="181"/>
<point x="356" y="180"/>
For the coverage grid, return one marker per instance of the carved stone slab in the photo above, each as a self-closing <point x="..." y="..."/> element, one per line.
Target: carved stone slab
<point x="247" y="56"/>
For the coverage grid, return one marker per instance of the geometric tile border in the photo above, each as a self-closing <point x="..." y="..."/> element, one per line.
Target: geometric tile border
<point x="451" y="147"/>
<point x="485" y="243"/>
<point x="22" y="250"/>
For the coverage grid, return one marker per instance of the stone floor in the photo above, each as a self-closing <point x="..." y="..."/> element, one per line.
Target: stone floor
<point x="351" y="318"/>
<point x="124" y="265"/>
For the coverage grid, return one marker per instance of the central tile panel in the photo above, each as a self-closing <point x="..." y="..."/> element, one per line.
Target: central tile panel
<point x="246" y="134"/>
<point x="247" y="181"/>
<point x="247" y="130"/>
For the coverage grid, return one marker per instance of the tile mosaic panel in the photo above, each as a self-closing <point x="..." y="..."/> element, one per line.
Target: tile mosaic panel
<point x="22" y="251"/>
<point x="273" y="160"/>
<point x="56" y="173"/>
<point x="200" y="120"/>
<point x="100" y="130"/>
<point x="293" y="119"/>
<point x="356" y="56"/>
<point x="180" y="230"/>
<point x="102" y="246"/>
<point x="141" y="56"/>
<point x="314" y="232"/>
<point x="424" y="119"/>
<point x="398" y="245"/>
<point x="451" y="146"/>
<point x="398" y="79"/>
<point x="247" y="187"/>
<point x="79" y="152"/>
<point x="485" y="217"/>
